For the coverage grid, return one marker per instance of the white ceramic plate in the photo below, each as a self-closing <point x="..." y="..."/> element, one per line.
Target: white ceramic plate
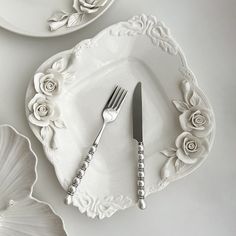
<point x="20" y="213"/>
<point x="65" y="99"/>
<point x="31" y="17"/>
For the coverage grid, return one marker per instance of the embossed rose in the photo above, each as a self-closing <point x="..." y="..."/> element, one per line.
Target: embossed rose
<point x="43" y="111"/>
<point x="190" y="148"/>
<point x="49" y="84"/>
<point x="197" y="121"/>
<point x="88" y="6"/>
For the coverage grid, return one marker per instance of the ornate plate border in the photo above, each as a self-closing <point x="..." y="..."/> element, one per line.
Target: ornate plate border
<point x="196" y="114"/>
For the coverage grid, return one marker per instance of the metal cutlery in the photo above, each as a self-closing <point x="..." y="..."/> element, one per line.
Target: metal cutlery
<point x="138" y="135"/>
<point x="109" y="114"/>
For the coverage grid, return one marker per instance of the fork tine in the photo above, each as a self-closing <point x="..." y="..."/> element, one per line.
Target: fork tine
<point x="111" y="96"/>
<point x="121" y="100"/>
<point x="114" y="97"/>
<point x="114" y="105"/>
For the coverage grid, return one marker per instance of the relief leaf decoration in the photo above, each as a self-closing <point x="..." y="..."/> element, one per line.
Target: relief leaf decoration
<point x="43" y="109"/>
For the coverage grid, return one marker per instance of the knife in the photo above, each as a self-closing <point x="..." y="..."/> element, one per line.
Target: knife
<point x="138" y="135"/>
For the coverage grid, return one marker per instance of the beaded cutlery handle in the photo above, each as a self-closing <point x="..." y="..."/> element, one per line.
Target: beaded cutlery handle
<point x="79" y="175"/>
<point x="141" y="183"/>
<point x="109" y="114"/>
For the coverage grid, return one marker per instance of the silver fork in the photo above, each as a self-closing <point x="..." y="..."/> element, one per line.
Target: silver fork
<point x="109" y="114"/>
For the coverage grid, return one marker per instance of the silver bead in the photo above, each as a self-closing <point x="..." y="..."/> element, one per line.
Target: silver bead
<point x="72" y="189"/>
<point x="140" y="148"/>
<point x="141" y="165"/>
<point x="89" y="157"/>
<point x="85" y="165"/>
<point x="92" y="149"/>
<point x="80" y="173"/>
<point x="141" y="183"/>
<point x="141" y="157"/>
<point x="68" y="199"/>
<point x="141" y="204"/>
<point x="141" y="192"/>
<point x="141" y="174"/>
<point x="76" y="181"/>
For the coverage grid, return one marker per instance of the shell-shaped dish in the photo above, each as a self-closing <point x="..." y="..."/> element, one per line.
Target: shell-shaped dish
<point x="65" y="98"/>
<point x="20" y="213"/>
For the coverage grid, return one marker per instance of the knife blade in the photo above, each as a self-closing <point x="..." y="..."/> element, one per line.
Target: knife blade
<point x="138" y="135"/>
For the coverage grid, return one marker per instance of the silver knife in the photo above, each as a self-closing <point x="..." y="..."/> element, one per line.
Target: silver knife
<point x="138" y="135"/>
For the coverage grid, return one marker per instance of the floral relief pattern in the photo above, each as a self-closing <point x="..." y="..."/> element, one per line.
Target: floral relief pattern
<point x="192" y="145"/>
<point x="101" y="208"/>
<point x="151" y="27"/>
<point x="44" y="112"/>
<point x="196" y="118"/>
<point x="80" y="9"/>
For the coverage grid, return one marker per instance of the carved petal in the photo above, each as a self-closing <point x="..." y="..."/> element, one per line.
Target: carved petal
<point x="100" y="3"/>
<point x="74" y="19"/>
<point x="89" y="10"/>
<point x="58" y="16"/>
<point x="184" y="119"/>
<point x="186" y="90"/>
<point x="58" y="24"/>
<point x="76" y="5"/>
<point x="194" y="100"/>
<point x="184" y="158"/>
<point x="168" y="169"/>
<point x="171" y="152"/>
<point x="34" y="100"/>
<point x="37" y="78"/>
<point x="40" y="123"/>
<point x="180" y="106"/>
<point x="59" y="65"/>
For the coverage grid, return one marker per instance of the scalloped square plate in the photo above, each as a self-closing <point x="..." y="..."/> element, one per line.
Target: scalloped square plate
<point x="66" y="96"/>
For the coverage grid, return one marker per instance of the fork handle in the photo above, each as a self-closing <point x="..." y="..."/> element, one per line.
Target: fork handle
<point x="79" y="175"/>
<point x="141" y="175"/>
<point x="84" y="166"/>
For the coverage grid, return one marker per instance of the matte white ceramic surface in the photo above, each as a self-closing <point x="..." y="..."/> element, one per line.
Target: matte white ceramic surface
<point x="20" y="213"/>
<point x="31" y="17"/>
<point x="65" y="98"/>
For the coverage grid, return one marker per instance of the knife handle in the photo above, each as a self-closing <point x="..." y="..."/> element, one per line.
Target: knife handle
<point x="79" y="175"/>
<point x="141" y="181"/>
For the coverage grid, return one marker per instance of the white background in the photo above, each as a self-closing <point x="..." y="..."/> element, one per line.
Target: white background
<point x="203" y="203"/>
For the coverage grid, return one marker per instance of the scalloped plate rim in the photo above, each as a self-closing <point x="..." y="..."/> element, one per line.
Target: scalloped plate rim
<point x="64" y="31"/>
<point x="30" y="195"/>
<point x="184" y="62"/>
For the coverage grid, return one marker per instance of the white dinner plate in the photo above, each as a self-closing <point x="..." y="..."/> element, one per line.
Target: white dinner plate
<point x="48" y="18"/>
<point x="20" y="213"/>
<point x="65" y="98"/>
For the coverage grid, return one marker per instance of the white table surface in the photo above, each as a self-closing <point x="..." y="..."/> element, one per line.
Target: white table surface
<point x="203" y="203"/>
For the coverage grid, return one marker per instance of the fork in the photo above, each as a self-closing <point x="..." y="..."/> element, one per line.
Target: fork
<point x="109" y="114"/>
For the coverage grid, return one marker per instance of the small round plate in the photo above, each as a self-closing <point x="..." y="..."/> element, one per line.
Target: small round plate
<point x="50" y="18"/>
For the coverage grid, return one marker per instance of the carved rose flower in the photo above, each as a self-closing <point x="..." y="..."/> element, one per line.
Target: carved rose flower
<point x="88" y="6"/>
<point x="197" y="121"/>
<point x="48" y="84"/>
<point x="43" y="111"/>
<point x="190" y="148"/>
